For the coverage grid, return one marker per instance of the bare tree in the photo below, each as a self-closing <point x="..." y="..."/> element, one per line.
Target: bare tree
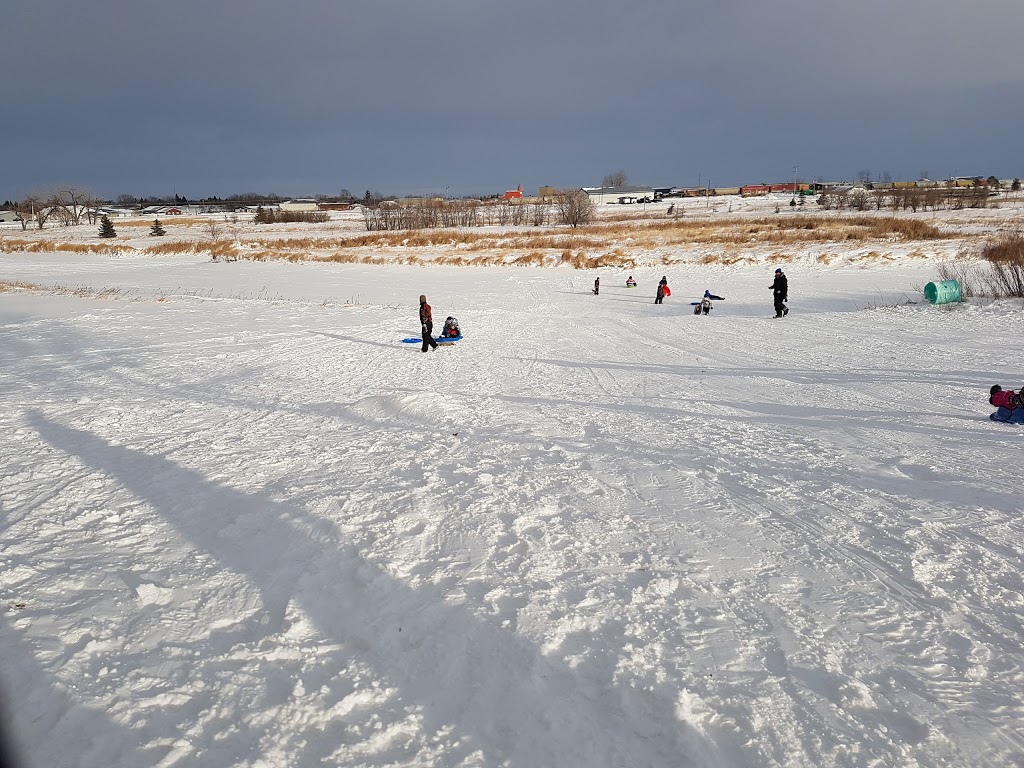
<point x="573" y="207"/>
<point x="28" y="209"/>
<point x="617" y="179"/>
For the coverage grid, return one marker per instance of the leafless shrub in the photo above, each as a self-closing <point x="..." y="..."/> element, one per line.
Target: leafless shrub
<point x="573" y="207"/>
<point x="966" y="270"/>
<point x="1005" y="256"/>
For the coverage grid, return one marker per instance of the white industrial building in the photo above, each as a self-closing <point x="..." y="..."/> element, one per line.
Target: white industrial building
<point x="300" y="204"/>
<point x="629" y="194"/>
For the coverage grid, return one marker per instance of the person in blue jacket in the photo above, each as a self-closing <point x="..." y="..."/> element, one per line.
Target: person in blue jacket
<point x="704" y="308"/>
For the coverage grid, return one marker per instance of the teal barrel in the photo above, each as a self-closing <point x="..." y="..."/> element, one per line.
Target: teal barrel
<point x="944" y="292"/>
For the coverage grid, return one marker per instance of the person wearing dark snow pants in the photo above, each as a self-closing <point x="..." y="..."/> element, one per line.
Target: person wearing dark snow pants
<point x="427" y="324"/>
<point x="659" y="297"/>
<point x="597" y="285"/>
<point x="704" y="307"/>
<point x="780" y="291"/>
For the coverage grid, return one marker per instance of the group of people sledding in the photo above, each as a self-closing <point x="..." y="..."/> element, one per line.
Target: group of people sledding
<point x="1009" y="404"/>
<point x="779" y="289"/>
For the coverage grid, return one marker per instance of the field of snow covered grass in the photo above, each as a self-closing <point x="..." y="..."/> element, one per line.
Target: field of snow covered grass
<point x="244" y="525"/>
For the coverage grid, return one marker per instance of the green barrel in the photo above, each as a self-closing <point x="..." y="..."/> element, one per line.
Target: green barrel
<point x="944" y="292"/>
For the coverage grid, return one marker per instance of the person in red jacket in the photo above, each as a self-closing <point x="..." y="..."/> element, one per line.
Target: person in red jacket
<point x="427" y="324"/>
<point x="1006" y="398"/>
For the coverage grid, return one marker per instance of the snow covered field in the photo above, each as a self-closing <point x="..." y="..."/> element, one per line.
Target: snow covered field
<point x="243" y="525"/>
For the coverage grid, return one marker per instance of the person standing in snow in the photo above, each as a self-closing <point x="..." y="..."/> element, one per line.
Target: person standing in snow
<point x="659" y="297"/>
<point x="427" y="324"/>
<point x="597" y="285"/>
<point x="780" y="291"/>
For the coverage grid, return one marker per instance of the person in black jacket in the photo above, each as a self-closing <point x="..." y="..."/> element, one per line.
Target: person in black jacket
<point x="780" y="291"/>
<point x="659" y="295"/>
<point x="427" y="324"/>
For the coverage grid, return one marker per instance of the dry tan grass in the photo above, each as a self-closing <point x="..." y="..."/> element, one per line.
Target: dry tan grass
<point x="17" y="285"/>
<point x="46" y="246"/>
<point x="63" y="290"/>
<point x="612" y="242"/>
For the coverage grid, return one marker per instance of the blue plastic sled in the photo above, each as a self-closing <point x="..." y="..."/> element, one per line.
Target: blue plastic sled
<point x="1016" y="416"/>
<point x="439" y="339"/>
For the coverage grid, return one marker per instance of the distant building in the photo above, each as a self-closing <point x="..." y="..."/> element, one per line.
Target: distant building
<point x="300" y="204"/>
<point x="628" y="194"/>
<point x="515" y="193"/>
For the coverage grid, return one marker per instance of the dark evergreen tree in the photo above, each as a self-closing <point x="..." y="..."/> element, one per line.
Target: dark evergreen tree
<point x="156" y="229"/>
<point x="1015" y="186"/>
<point x="107" y="227"/>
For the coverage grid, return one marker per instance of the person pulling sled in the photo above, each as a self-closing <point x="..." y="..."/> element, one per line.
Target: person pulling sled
<point x="663" y="290"/>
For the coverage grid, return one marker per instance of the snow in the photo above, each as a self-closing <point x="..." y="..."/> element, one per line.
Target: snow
<point x="243" y="524"/>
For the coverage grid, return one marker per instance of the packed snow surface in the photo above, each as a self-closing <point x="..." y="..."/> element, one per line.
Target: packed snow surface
<point x="244" y="525"/>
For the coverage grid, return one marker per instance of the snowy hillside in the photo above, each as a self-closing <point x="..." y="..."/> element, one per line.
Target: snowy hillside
<point x="244" y="525"/>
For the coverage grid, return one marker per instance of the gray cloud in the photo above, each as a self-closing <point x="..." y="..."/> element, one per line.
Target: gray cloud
<point x="317" y="95"/>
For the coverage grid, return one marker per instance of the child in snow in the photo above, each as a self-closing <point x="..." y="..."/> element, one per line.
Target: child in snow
<point x="451" y="329"/>
<point x="1010" y="404"/>
<point x="704" y="308"/>
<point x="1006" y="398"/>
<point x="662" y="291"/>
<point x="630" y="282"/>
<point x="597" y="286"/>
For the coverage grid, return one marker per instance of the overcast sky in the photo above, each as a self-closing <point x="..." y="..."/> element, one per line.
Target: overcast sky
<point x="200" y="97"/>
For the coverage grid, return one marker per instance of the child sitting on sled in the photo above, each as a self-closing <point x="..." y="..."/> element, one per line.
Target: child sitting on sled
<point x="630" y="282"/>
<point x="451" y="329"/>
<point x="1010" y="404"/>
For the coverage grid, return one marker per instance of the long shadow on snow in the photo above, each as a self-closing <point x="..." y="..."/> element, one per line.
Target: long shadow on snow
<point x="33" y="695"/>
<point x="517" y="706"/>
<point x="355" y="340"/>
